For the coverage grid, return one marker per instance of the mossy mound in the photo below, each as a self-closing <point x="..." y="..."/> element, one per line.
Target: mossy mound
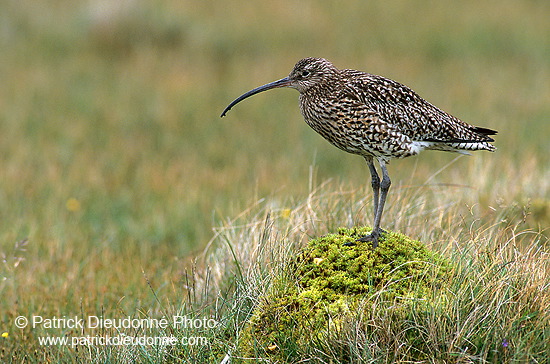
<point x="328" y="285"/>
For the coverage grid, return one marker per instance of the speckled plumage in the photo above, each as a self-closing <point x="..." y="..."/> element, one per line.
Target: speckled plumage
<point x="376" y="118"/>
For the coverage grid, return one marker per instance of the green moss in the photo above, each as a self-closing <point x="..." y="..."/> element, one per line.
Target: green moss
<point x="329" y="284"/>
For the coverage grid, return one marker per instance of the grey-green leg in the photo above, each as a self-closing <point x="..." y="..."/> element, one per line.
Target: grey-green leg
<point x="379" y="201"/>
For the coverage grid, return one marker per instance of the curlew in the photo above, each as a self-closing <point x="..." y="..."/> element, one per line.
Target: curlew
<point x="376" y="118"/>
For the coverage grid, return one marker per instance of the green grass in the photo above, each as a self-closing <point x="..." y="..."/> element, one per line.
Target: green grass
<point x="116" y="167"/>
<point x="324" y="289"/>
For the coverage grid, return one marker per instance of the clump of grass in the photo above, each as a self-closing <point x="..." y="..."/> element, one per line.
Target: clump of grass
<point x="281" y="298"/>
<point x="327" y="284"/>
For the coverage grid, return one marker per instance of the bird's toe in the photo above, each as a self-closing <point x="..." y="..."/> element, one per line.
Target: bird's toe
<point x="372" y="238"/>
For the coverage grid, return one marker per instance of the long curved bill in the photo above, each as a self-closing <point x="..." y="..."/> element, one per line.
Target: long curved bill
<point x="283" y="82"/>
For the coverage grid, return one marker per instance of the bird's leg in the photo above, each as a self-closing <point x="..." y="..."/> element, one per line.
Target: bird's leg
<point x="375" y="182"/>
<point x="384" y="187"/>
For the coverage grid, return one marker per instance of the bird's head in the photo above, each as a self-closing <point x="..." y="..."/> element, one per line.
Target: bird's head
<point x="306" y="74"/>
<point x="310" y="72"/>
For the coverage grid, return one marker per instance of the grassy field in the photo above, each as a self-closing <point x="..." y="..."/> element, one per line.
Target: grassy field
<point x="124" y="194"/>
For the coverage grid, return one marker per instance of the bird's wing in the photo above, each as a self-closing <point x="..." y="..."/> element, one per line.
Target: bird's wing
<point x="400" y="106"/>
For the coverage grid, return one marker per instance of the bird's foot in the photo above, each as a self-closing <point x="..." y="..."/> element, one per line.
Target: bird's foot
<point x="372" y="237"/>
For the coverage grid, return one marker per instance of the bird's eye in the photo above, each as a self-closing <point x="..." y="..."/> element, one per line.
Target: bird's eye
<point x="305" y="73"/>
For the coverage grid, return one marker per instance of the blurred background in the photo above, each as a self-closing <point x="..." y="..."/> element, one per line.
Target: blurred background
<point x="114" y="161"/>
